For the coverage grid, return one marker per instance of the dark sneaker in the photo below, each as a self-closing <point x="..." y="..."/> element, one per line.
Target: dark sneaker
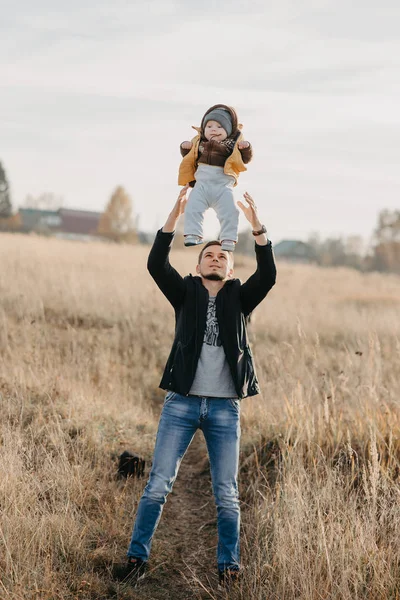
<point x="228" y="578"/>
<point x="130" y="572"/>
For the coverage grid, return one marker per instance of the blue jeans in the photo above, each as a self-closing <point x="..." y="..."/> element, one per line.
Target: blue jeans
<point x="181" y="416"/>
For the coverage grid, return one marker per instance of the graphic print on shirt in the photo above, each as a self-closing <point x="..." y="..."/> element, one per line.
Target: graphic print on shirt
<point x="211" y="334"/>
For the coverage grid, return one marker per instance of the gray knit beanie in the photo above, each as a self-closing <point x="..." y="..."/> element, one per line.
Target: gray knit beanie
<point x="222" y="116"/>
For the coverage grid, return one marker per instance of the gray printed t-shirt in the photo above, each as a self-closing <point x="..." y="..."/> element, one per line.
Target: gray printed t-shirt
<point x="213" y="377"/>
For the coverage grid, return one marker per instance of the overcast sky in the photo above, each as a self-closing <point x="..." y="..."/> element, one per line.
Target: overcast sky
<point x="99" y="94"/>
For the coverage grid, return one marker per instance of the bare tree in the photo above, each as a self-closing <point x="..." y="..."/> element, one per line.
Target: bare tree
<point x="386" y="245"/>
<point x="45" y="201"/>
<point x="333" y="252"/>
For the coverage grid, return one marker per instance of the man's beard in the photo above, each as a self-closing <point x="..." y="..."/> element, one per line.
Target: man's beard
<point x="214" y="277"/>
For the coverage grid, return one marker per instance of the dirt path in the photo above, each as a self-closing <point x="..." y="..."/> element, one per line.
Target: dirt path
<point x="184" y="547"/>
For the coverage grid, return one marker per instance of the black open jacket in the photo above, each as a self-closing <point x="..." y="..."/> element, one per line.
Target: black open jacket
<point x="235" y="301"/>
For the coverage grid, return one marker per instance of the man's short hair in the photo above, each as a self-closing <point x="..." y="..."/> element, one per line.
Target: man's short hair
<point x="213" y="243"/>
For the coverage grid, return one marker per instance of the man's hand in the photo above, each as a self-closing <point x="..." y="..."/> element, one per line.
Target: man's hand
<point x="243" y="145"/>
<point x="179" y="206"/>
<point x="186" y="145"/>
<point x="250" y="212"/>
<point x="177" y="211"/>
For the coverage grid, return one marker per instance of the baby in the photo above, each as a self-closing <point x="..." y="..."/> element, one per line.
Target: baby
<point x="211" y="164"/>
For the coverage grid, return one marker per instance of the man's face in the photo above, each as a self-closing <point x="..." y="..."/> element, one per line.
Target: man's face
<point x="214" y="131"/>
<point x="215" y="264"/>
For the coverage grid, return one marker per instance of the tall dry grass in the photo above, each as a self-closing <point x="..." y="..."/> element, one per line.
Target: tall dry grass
<point x="83" y="340"/>
<point x="323" y="479"/>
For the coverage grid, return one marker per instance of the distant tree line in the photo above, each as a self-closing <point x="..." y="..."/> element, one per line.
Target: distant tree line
<point x="342" y="251"/>
<point x="118" y="224"/>
<point x="382" y="253"/>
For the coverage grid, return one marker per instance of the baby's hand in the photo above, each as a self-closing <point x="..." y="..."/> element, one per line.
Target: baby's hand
<point x="186" y="145"/>
<point x="243" y="145"/>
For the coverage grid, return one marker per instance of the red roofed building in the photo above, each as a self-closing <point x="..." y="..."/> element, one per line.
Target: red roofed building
<point x="80" y="222"/>
<point x="62" y="223"/>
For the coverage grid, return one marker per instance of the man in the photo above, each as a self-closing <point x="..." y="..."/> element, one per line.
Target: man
<point x="209" y="370"/>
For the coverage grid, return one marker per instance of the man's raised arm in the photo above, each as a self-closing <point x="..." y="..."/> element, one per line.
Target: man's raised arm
<point x="254" y="290"/>
<point x="166" y="277"/>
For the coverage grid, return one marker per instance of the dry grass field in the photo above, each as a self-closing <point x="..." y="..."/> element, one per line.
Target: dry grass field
<point x="84" y="336"/>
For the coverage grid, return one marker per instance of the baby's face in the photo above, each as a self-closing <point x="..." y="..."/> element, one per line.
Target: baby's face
<point x="214" y="131"/>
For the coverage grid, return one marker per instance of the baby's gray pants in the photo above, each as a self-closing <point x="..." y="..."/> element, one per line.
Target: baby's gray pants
<point x="213" y="189"/>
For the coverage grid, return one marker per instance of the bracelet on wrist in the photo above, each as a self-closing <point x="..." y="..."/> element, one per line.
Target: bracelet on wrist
<point x="260" y="231"/>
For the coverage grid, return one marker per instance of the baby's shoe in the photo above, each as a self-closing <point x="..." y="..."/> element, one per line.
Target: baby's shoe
<point x="228" y="245"/>
<point x="193" y="240"/>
